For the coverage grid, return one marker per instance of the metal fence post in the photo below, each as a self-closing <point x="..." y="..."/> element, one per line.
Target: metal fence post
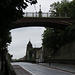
<point x="26" y="14"/>
<point x="32" y="14"/>
<point x="65" y="15"/>
<point x="59" y="15"/>
<point x="40" y="12"/>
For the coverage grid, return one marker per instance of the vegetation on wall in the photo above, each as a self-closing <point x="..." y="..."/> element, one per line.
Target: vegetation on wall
<point x="53" y="38"/>
<point x="60" y="8"/>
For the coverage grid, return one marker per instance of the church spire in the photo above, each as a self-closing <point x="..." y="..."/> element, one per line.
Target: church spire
<point x="39" y="7"/>
<point x="29" y="45"/>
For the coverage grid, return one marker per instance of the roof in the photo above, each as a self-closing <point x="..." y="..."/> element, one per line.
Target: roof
<point x="29" y="43"/>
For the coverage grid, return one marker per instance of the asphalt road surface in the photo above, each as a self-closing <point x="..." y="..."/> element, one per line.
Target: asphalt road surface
<point x="36" y="69"/>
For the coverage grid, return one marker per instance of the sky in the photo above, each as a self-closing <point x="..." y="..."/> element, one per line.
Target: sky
<point x="45" y="6"/>
<point x="21" y="36"/>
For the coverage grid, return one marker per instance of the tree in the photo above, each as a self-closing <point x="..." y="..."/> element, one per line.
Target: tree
<point x="10" y="11"/>
<point x="72" y="10"/>
<point x="60" y="8"/>
<point x="53" y="38"/>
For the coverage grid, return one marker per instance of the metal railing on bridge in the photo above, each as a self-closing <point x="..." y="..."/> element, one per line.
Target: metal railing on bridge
<point x="45" y="14"/>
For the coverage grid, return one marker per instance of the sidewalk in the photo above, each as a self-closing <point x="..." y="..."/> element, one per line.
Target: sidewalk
<point x="62" y="67"/>
<point x="20" y="71"/>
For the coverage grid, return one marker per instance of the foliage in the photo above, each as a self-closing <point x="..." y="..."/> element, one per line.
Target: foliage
<point x="9" y="57"/>
<point x="10" y="11"/>
<point x="48" y="37"/>
<point x="60" y="8"/>
<point x="72" y="10"/>
<point x="5" y="39"/>
<point x="53" y="38"/>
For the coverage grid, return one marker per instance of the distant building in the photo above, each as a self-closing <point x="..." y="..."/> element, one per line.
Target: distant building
<point x="33" y="54"/>
<point x="66" y="54"/>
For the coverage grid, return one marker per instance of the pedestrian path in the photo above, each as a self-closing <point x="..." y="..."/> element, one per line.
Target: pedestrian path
<point x="63" y="67"/>
<point x="37" y="69"/>
<point x="20" y="71"/>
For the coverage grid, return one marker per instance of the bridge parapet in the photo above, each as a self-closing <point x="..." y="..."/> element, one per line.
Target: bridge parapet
<point x="45" y="14"/>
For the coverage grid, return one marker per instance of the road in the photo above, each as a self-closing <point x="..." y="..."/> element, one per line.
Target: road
<point x="36" y="69"/>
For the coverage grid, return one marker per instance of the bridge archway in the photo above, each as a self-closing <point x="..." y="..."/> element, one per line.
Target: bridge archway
<point x="20" y="38"/>
<point x="59" y="23"/>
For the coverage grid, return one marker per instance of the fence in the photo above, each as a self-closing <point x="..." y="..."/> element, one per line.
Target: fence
<point x="45" y="14"/>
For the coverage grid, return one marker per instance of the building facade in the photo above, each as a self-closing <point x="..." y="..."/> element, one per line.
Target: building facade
<point x="66" y="54"/>
<point x="33" y="54"/>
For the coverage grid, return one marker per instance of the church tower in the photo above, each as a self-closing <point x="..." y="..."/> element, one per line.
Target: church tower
<point x="29" y="45"/>
<point x="29" y="48"/>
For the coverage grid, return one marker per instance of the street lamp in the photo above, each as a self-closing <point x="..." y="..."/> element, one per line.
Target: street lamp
<point x="40" y="12"/>
<point x="49" y="59"/>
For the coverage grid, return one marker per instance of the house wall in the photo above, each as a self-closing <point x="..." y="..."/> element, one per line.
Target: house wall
<point x="39" y="55"/>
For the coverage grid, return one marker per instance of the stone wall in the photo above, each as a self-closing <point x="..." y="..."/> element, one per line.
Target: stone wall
<point x="66" y="52"/>
<point x="39" y="54"/>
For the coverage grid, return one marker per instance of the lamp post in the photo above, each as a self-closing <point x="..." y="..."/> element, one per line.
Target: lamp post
<point x="49" y="59"/>
<point x="40" y="12"/>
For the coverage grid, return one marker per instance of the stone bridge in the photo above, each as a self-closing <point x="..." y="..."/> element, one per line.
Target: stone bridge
<point x="43" y="19"/>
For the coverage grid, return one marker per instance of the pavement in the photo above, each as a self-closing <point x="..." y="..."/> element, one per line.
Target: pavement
<point x="63" y="67"/>
<point x="20" y="71"/>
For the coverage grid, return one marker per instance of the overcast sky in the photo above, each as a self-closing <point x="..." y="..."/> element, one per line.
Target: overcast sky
<point x="21" y="36"/>
<point x="45" y="6"/>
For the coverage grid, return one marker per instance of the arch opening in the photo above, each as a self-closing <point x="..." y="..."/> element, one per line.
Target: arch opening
<point x="20" y="38"/>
